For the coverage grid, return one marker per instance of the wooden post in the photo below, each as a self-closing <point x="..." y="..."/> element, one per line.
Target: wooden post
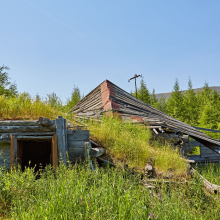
<point x="54" y="152"/>
<point x="61" y="138"/>
<point x="13" y="152"/>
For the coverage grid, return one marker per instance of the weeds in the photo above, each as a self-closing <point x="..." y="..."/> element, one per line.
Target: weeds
<point x="76" y="192"/>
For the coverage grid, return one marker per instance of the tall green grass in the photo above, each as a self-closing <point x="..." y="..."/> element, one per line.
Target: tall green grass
<point x="24" y="107"/>
<point x="211" y="172"/>
<point x="79" y="193"/>
<point x="134" y="145"/>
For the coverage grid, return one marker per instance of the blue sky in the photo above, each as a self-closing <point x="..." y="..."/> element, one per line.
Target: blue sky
<point x="50" y="46"/>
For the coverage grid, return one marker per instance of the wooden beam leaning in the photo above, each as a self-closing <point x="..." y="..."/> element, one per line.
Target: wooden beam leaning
<point x="61" y="139"/>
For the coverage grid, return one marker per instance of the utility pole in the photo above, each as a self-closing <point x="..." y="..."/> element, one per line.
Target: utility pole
<point x="135" y="76"/>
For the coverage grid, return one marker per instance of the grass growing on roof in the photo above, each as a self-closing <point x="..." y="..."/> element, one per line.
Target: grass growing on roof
<point x="23" y="107"/>
<point x="132" y="144"/>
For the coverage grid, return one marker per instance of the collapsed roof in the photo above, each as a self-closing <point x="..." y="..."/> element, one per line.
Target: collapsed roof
<point x="109" y="97"/>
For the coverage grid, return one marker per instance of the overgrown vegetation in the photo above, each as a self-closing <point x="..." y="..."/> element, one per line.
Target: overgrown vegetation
<point x="22" y="106"/>
<point x="211" y="172"/>
<point x="79" y="193"/>
<point x="133" y="145"/>
<point x="200" y="109"/>
<point x="76" y="192"/>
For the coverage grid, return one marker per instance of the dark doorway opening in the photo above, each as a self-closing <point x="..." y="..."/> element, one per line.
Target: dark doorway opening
<point x="34" y="153"/>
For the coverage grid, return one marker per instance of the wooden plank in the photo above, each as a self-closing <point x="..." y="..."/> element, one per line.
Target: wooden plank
<point x="76" y="152"/>
<point x="61" y="139"/>
<point x="12" y="152"/>
<point x="194" y="143"/>
<point x="212" y="188"/>
<point x="207" y="129"/>
<point x="75" y="144"/>
<point x="34" y="137"/>
<point x="17" y="129"/>
<point x="5" y="155"/>
<point x="96" y="152"/>
<point x="18" y="123"/>
<point x="78" y="135"/>
<point x="54" y="152"/>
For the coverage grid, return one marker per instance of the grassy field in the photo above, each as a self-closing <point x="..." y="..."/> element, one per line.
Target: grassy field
<point x="79" y="193"/>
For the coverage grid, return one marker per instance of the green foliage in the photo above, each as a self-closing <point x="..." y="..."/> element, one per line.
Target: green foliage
<point x="54" y="101"/>
<point x="211" y="172"/>
<point x="191" y="112"/>
<point x="6" y="88"/>
<point x="162" y="105"/>
<point x="175" y="107"/>
<point x="23" y="106"/>
<point x="143" y="93"/>
<point x="153" y="100"/>
<point x="74" y="99"/>
<point x="76" y="192"/>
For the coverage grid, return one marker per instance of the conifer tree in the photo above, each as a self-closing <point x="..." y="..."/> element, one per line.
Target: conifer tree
<point x="190" y="105"/>
<point x="74" y="99"/>
<point x="162" y="105"/>
<point x="175" y="102"/>
<point x="153" y="99"/>
<point x="143" y="93"/>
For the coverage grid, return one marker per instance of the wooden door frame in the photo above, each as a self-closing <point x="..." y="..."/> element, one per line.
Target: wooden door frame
<point x="14" y="150"/>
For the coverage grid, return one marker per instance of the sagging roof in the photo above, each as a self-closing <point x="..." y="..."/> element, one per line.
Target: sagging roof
<point x="107" y="96"/>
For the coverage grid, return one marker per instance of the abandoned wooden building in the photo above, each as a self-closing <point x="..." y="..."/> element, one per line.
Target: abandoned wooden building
<point x="43" y="142"/>
<point x="40" y="143"/>
<point x="107" y="98"/>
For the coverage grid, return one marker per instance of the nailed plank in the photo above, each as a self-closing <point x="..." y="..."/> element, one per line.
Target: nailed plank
<point x="18" y="123"/>
<point x="75" y="144"/>
<point x="76" y="152"/>
<point x="78" y="135"/>
<point x="34" y="137"/>
<point x="19" y="129"/>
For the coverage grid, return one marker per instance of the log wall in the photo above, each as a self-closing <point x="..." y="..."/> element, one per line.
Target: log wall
<point x="68" y="141"/>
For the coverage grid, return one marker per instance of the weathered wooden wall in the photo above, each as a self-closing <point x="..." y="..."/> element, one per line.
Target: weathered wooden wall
<point x="5" y="155"/>
<point x="206" y="154"/>
<point x="75" y="143"/>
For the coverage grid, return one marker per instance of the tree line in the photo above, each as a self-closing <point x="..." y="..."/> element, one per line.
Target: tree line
<point x="195" y="108"/>
<point x="9" y="89"/>
<point x="200" y="108"/>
